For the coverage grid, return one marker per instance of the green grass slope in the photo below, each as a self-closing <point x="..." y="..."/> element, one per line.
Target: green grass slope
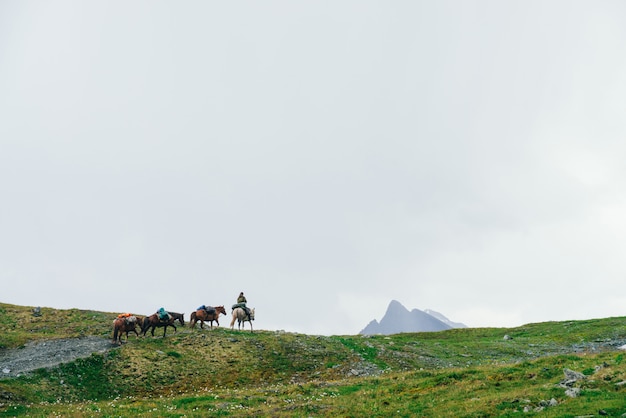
<point x="473" y="372"/>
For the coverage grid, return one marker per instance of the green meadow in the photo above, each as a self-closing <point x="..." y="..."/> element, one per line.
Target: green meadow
<point x="472" y="372"/>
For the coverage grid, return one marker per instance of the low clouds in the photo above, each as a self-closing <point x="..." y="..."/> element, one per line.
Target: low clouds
<point x="324" y="157"/>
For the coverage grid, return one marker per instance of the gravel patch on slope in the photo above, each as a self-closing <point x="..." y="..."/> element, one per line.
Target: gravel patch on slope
<point x="50" y="353"/>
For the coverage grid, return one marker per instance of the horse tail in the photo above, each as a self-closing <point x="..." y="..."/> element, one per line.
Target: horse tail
<point x="192" y="319"/>
<point x="115" y="333"/>
<point x="232" y="322"/>
<point x="145" y="325"/>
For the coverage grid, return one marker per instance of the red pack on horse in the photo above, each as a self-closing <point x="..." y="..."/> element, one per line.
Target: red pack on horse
<point x="125" y="323"/>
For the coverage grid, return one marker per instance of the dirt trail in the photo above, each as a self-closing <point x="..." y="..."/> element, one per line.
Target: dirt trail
<point x="50" y="353"/>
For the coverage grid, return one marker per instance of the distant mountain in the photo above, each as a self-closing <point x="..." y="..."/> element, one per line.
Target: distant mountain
<point x="398" y="319"/>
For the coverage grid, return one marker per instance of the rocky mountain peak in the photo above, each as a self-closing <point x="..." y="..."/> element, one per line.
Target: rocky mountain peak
<point x="399" y="319"/>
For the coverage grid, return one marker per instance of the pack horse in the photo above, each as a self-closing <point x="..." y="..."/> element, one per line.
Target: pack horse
<point x="153" y="321"/>
<point x="123" y="324"/>
<point x="208" y="314"/>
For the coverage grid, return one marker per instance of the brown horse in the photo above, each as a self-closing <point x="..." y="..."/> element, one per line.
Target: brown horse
<point x="209" y="315"/>
<point x="153" y="322"/>
<point x="125" y="325"/>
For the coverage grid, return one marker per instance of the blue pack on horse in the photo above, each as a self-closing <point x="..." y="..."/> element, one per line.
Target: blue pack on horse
<point x="163" y="315"/>
<point x="208" y="309"/>
<point x="206" y="313"/>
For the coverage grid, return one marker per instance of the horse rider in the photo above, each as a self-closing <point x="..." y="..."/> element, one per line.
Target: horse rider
<point x="242" y="301"/>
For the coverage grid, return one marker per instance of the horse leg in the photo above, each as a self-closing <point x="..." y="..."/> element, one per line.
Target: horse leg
<point x="145" y="326"/>
<point x="127" y="331"/>
<point x="165" y="328"/>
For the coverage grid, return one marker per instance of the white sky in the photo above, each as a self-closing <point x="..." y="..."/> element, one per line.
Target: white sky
<point x="323" y="157"/>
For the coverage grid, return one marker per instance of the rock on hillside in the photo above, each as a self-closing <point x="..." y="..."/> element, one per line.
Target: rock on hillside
<point x="398" y="319"/>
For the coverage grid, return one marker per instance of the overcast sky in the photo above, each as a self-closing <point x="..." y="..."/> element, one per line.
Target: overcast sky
<point x="322" y="157"/>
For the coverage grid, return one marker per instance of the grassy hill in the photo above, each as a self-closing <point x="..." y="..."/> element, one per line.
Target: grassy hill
<point x="474" y="372"/>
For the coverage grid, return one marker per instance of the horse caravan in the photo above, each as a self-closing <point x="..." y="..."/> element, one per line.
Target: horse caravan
<point x="127" y="322"/>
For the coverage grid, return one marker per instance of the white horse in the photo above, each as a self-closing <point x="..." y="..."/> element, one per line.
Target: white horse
<point x="240" y="316"/>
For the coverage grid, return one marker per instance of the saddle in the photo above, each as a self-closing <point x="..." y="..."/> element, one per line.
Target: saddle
<point x="241" y="305"/>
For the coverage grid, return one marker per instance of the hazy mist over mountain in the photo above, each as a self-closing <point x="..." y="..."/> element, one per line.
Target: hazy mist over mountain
<point x="443" y="319"/>
<point x="398" y="319"/>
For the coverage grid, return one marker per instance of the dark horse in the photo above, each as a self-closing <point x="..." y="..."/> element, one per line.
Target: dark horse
<point x="123" y="325"/>
<point x="153" y="322"/>
<point x="209" y="316"/>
